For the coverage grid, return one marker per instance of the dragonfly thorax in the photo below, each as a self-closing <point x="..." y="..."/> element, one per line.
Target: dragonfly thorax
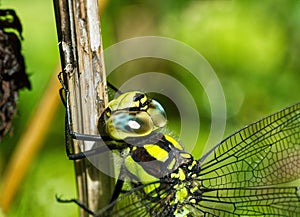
<point x="153" y="157"/>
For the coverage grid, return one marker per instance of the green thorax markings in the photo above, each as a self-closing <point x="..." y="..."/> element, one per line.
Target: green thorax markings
<point x="152" y="157"/>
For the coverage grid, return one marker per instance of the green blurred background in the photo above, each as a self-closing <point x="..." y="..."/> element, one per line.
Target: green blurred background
<point x="253" y="47"/>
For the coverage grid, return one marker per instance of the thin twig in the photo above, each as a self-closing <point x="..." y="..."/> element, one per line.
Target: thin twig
<point x="80" y="44"/>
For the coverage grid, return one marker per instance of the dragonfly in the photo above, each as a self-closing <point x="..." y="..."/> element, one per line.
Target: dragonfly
<point x="249" y="173"/>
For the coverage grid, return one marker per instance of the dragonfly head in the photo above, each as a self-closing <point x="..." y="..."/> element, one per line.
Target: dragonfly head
<point x="132" y="114"/>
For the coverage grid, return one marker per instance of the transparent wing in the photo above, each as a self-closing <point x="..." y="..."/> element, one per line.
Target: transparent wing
<point x="234" y="202"/>
<point x="264" y="153"/>
<point x="283" y="201"/>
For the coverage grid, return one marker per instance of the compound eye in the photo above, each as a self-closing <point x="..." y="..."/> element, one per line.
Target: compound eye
<point x="122" y="125"/>
<point x="157" y="114"/>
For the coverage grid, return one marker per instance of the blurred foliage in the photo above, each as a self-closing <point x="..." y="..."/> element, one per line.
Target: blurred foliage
<point x="253" y="47"/>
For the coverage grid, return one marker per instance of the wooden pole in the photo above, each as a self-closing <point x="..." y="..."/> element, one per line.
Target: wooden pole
<point x="80" y="44"/>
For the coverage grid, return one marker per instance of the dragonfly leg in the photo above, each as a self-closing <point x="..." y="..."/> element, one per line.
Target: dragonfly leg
<point x="80" y="204"/>
<point x="70" y="134"/>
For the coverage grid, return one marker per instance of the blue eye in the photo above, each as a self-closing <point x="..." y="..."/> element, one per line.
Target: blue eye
<point x="122" y="125"/>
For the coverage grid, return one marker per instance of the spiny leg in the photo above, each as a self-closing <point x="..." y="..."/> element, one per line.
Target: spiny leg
<point x="70" y="134"/>
<point x="80" y="204"/>
<point x="115" y="195"/>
